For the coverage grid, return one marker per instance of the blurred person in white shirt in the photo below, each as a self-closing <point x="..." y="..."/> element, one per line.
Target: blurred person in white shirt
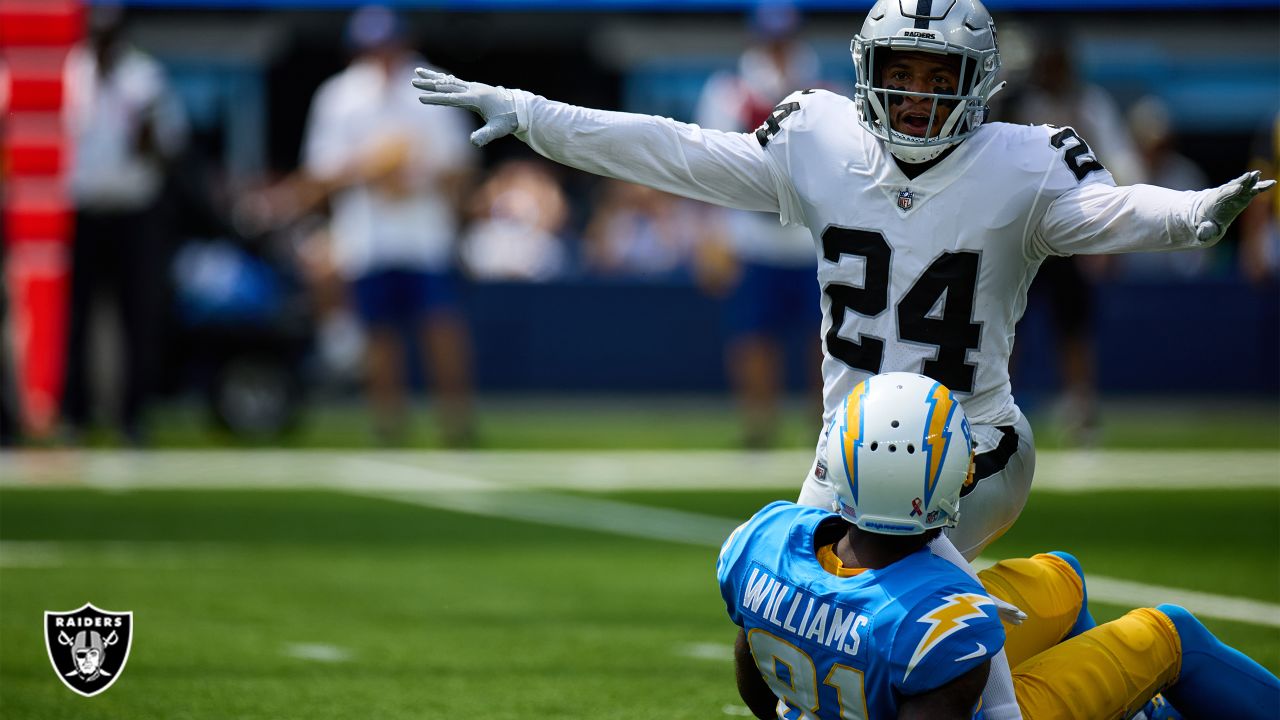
<point x="636" y="231"/>
<point x="518" y="213"/>
<point x="126" y="127"/>
<point x="393" y="183"/>
<point x="766" y="269"/>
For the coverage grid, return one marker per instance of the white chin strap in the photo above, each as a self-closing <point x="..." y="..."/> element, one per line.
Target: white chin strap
<point x="902" y="147"/>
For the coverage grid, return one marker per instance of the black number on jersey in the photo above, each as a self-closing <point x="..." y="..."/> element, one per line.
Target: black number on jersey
<point x="1079" y="158"/>
<point x="771" y="126"/>
<point x="950" y="281"/>
<point x="869" y="300"/>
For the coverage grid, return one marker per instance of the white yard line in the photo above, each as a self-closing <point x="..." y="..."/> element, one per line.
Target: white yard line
<point x="500" y="484"/>
<point x="1058" y="471"/>
<point x="719" y="652"/>
<point x="316" y="652"/>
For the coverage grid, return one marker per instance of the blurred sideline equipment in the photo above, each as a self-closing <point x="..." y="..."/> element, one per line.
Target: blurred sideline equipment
<point x="931" y="211"/>
<point x="36" y="211"/>
<point x="854" y="614"/>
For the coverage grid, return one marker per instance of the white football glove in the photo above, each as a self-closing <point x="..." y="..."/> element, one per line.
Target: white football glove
<point x="1008" y="612"/>
<point x="496" y="105"/>
<point x="1221" y="205"/>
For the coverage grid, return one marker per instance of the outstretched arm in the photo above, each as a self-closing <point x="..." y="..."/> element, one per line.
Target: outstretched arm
<point x="1100" y="218"/>
<point x="729" y="169"/>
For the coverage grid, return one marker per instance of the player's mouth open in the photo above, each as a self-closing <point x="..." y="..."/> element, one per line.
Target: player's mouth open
<point x="915" y="123"/>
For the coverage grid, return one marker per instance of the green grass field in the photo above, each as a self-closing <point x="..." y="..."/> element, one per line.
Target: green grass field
<point x="704" y="422"/>
<point x="416" y="585"/>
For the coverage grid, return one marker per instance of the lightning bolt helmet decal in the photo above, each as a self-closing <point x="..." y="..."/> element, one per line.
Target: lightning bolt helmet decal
<point x="852" y="432"/>
<point x="937" y="436"/>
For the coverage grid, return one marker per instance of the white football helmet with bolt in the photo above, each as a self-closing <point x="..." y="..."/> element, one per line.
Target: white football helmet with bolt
<point x="899" y="451"/>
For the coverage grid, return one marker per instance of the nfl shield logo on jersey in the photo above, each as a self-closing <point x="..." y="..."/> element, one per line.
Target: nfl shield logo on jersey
<point x="905" y="198"/>
<point x="88" y="647"/>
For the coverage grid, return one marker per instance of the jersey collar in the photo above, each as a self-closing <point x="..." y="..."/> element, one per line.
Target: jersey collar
<point x="890" y="179"/>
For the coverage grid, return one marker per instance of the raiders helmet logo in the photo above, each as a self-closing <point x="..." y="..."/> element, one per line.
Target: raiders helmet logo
<point x="88" y="647"/>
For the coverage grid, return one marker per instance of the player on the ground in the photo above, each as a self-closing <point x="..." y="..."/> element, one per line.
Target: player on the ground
<point x="928" y="221"/>
<point x="851" y="615"/>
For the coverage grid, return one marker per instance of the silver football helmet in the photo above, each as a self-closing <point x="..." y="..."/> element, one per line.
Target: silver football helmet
<point x="960" y="28"/>
<point x="899" y="452"/>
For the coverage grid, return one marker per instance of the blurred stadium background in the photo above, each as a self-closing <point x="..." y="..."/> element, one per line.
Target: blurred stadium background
<point x="281" y="563"/>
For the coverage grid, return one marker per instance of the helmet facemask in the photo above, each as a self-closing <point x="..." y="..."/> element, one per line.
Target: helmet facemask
<point x="969" y="103"/>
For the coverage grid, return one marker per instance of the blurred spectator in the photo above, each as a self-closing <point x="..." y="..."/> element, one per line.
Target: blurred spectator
<point x="1152" y="129"/>
<point x="518" y="214"/>
<point x="639" y="231"/>
<point x="127" y="127"/>
<point x="766" y="270"/>
<point x="1058" y="95"/>
<point x="392" y="172"/>
<point x="1260" y="223"/>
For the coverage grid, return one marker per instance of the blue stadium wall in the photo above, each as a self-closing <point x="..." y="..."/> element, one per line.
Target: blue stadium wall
<point x="1203" y="338"/>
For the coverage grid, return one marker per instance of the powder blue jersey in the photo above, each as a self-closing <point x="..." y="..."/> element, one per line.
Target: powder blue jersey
<point x="833" y="647"/>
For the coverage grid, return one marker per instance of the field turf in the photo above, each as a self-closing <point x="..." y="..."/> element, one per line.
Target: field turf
<point x="396" y="601"/>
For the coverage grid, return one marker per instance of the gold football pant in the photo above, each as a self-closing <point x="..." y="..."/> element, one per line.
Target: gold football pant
<point x="1108" y="672"/>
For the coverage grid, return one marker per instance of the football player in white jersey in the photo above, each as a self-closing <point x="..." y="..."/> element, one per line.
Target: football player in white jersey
<point x="928" y="221"/>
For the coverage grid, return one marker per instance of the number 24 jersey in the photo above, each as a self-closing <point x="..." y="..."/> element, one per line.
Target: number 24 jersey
<point x="930" y="274"/>
<point x="925" y="275"/>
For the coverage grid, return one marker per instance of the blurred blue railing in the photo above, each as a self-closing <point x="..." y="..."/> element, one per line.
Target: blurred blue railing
<point x="1202" y="338"/>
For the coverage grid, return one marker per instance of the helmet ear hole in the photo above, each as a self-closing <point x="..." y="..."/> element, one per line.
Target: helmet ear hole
<point x="874" y="445"/>
<point x="893" y="448"/>
<point x="894" y="424"/>
<point x="911" y="449"/>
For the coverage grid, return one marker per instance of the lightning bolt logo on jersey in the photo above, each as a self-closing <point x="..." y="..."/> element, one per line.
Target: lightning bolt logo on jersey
<point x="952" y="616"/>
<point x="849" y="647"/>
